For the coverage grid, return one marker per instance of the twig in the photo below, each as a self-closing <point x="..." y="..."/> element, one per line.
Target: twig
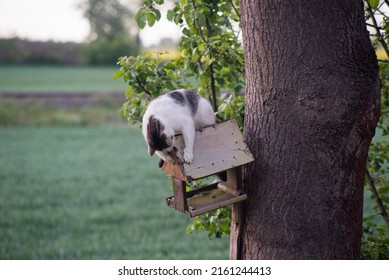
<point x="198" y="24"/>
<point x="235" y="9"/>
<point x="212" y="72"/>
<point x="372" y="25"/>
<point x="368" y="232"/>
<point x="377" y="197"/>
<point x="139" y="82"/>
<point x="213" y="86"/>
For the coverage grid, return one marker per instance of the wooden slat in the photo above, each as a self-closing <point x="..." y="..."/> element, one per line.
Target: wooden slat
<point x="234" y="180"/>
<point x="227" y="189"/>
<point x="179" y="190"/>
<point x="217" y="205"/>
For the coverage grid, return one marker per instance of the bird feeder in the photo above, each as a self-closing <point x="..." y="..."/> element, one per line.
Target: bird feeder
<point x="217" y="148"/>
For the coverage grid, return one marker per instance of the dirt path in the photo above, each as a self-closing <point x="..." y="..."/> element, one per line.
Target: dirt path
<point x="64" y="99"/>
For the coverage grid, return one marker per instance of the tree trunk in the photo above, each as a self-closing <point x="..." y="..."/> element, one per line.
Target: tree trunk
<point x="312" y="104"/>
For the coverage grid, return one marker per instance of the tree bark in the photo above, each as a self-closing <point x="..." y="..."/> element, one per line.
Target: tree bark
<point x="312" y="104"/>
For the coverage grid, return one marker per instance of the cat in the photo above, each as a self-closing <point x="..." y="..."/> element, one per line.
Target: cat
<point x="177" y="112"/>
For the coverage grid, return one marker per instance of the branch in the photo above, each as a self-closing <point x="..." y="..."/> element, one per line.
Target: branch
<point x="377" y="29"/>
<point x="372" y="25"/>
<point x="139" y="82"/>
<point x="212" y="73"/>
<point x="377" y="197"/>
<point x="235" y="9"/>
<point x="198" y="24"/>
<point x="213" y="87"/>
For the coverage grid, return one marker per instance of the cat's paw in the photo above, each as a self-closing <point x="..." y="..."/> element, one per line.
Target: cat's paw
<point x="188" y="157"/>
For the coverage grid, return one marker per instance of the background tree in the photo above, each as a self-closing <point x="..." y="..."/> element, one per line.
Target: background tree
<point x="113" y="31"/>
<point x="290" y="102"/>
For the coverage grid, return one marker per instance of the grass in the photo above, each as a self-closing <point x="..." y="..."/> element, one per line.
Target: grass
<point x="59" y="78"/>
<point x="89" y="193"/>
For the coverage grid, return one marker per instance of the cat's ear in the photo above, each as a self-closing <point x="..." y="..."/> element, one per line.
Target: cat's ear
<point x="151" y="151"/>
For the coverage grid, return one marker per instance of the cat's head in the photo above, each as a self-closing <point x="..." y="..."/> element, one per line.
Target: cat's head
<point x="159" y="137"/>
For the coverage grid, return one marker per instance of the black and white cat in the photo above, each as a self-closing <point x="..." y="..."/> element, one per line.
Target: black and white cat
<point x="177" y="112"/>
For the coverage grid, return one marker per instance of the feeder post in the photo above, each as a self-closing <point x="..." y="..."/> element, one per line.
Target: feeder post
<point x="179" y="191"/>
<point x="234" y="181"/>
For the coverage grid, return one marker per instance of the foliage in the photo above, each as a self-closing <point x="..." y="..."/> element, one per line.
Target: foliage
<point x="98" y="52"/>
<point x="108" y="19"/>
<point x="20" y="51"/>
<point x="144" y="75"/>
<point x="104" y="51"/>
<point x="112" y="31"/>
<point x="216" y="223"/>
<point x="375" y="241"/>
<point x="232" y="108"/>
<point x="148" y="14"/>
<point x="211" y="54"/>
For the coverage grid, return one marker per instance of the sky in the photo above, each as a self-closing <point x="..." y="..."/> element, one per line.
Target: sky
<point x="61" y="20"/>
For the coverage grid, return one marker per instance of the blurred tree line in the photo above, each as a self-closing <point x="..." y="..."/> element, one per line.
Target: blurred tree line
<point x="113" y="33"/>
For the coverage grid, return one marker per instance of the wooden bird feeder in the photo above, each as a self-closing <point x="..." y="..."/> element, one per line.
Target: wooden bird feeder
<point x="217" y="148"/>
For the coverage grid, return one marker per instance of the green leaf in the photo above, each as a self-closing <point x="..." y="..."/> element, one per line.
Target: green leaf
<point x="118" y="74"/>
<point x="157" y="14"/>
<point x="129" y="92"/>
<point x="150" y="18"/>
<point x="170" y="15"/>
<point x="140" y="18"/>
<point x="374" y="3"/>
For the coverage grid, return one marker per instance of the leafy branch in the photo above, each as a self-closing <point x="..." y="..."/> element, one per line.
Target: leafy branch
<point x="377" y="197"/>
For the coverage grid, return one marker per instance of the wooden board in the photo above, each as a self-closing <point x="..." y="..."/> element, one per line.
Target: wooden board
<point x="216" y="148"/>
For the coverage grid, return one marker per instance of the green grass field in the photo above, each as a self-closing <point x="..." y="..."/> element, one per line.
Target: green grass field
<point x="59" y="78"/>
<point x="89" y="193"/>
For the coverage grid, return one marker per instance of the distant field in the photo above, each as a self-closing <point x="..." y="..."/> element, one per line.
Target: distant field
<point x="89" y="193"/>
<point x="59" y="79"/>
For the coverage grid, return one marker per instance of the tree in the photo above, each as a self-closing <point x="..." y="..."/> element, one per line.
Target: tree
<point x="112" y="31"/>
<point x="311" y="108"/>
<point x="107" y="18"/>
<point x="312" y="105"/>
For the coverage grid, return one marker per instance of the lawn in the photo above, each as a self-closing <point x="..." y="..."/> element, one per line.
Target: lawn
<point x="59" y="78"/>
<point x="89" y="193"/>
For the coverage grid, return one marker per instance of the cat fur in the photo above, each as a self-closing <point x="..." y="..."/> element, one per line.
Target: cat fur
<point x="177" y="112"/>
